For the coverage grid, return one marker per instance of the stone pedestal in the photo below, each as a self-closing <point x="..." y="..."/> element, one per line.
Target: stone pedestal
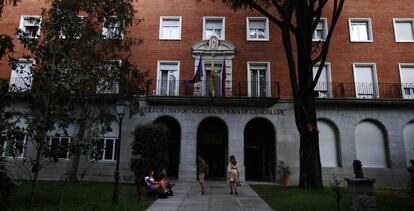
<point x="361" y="193"/>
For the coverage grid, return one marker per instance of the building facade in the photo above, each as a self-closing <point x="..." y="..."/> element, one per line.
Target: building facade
<point x="241" y="103"/>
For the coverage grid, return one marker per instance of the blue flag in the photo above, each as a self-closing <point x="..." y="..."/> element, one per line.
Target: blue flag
<point x="198" y="75"/>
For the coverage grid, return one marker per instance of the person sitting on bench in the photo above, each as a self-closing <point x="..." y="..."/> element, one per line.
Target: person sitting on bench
<point x="163" y="177"/>
<point x="153" y="185"/>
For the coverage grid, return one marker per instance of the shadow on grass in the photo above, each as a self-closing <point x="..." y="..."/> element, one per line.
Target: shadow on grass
<point x="292" y="198"/>
<point x="80" y="196"/>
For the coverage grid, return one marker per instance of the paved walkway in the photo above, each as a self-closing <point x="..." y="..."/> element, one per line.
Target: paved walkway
<point x="217" y="197"/>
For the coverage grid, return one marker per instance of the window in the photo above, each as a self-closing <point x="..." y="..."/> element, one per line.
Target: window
<point x="213" y="26"/>
<point x="258" y="81"/>
<point x="407" y="80"/>
<point x="321" y="30"/>
<point x="168" y="78"/>
<point x="365" y="81"/>
<point x="16" y="148"/>
<point x="404" y="30"/>
<point x="360" y="30"/>
<point x="112" y="28"/>
<point x="109" y="83"/>
<point x="72" y="29"/>
<point x="170" y="28"/>
<point x="323" y="87"/>
<point x="257" y="29"/>
<point x="21" y="76"/>
<point x="104" y="149"/>
<point x="30" y="26"/>
<point x="59" y="146"/>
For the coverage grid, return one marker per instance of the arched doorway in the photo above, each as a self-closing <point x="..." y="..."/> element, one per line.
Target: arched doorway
<point x="174" y="139"/>
<point x="329" y="144"/>
<point x="259" y="150"/>
<point x="212" y="139"/>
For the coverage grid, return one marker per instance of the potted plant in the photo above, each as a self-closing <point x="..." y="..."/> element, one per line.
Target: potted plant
<point x="284" y="172"/>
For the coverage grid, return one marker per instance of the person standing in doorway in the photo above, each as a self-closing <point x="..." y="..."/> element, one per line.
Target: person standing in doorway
<point x="201" y="167"/>
<point x="233" y="174"/>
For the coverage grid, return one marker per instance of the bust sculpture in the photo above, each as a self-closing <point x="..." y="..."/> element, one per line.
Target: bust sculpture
<point x="358" y="169"/>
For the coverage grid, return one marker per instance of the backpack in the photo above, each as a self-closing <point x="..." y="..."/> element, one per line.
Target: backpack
<point x="206" y="169"/>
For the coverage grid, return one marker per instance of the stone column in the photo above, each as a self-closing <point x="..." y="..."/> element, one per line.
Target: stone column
<point x="361" y="192"/>
<point x="236" y="145"/>
<point x="188" y="151"/>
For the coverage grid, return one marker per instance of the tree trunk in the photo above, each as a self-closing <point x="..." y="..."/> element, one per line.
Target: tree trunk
<point x="36" y="170"/>
<point x="77" y="149"/>
<point x="310" y="163"/>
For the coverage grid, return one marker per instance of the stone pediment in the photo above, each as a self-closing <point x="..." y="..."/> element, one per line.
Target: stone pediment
<point x="213" y="46"/>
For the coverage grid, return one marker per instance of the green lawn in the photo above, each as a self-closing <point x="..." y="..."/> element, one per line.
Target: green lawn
<point x="81" y="196"/>
<point x="292" y="198"/>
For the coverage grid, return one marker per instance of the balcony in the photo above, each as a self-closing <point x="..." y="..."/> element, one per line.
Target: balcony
<point x="344" y="90"/>
<point x="235" y="93"/>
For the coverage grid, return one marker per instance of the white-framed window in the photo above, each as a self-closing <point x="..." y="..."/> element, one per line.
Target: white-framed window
<point x="110" y="83"/>
<point x="365" y="77"/>
<point x="321" y="30"/>
<point x="404" y="29"/>
<point x="360" y="30"/>
<point x="323" y="87"/>
<point x="258" y="79"/>
<point x="168" y="75"/>
<point x="75" y="29"/>
<point x="21" y="75"/>
<point x="407" y="80"/>
<point x="112" y="28"/>
<point x="170" y="27"/>
<point x="104" y="149"/>
<point x="257" y="28"/>
<point x="60" y="145"/>
<point x="15" y="149"/>
<point x="214" y="26"/>
<point x="30" y="25"/>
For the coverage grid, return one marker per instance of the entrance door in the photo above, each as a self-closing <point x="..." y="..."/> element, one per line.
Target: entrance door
<point x="212" y="137"/>
<point x="259" y="149"/>
<point x="174" y="139"/>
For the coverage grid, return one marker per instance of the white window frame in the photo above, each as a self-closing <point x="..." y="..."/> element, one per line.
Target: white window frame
<point x="162" y="19"/>
<point x="395" y="27"/>
<point x="177" y="74"/>
<point x="68" y="154"/>
<point x="325" y="30"/>
<point x="115" y="141"/>
<point x="369" y="29"/>
<point x="102" y="83"/>
<point x="405" y="85"/>
<point x="375" y="79"/>
<point x="249" y="77"/>
<point x="23" y="149"/>
<point x="23" y="27"/>
<point x="248" y="19"/>
<point x="11" y="82"/>
<point x="329" y="80"/>
<point x="105" y="30"/>
<point x="62" y="36"/>
<point x="223" y="31"/>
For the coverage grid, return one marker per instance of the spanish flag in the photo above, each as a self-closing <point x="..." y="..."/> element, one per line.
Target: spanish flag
<point x="212" y="79"/>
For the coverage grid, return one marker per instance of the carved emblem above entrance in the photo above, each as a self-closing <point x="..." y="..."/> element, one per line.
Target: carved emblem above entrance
<point x="213" y="42"/>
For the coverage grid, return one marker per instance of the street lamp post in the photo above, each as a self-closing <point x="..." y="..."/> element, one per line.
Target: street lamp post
<point x="120" y="107"/>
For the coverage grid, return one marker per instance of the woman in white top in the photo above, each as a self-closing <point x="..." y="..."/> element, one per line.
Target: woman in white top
<point x="233" y="174"/>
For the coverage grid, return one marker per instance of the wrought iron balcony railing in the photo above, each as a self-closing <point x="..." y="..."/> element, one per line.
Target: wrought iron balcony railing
<point x="253" y="89"/>
<point x="351" y="90"/>
<point x="206" y="88"/>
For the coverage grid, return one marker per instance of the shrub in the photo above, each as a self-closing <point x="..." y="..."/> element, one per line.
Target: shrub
<point x="7" y="185"/>
<point x="149" y="149"/>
